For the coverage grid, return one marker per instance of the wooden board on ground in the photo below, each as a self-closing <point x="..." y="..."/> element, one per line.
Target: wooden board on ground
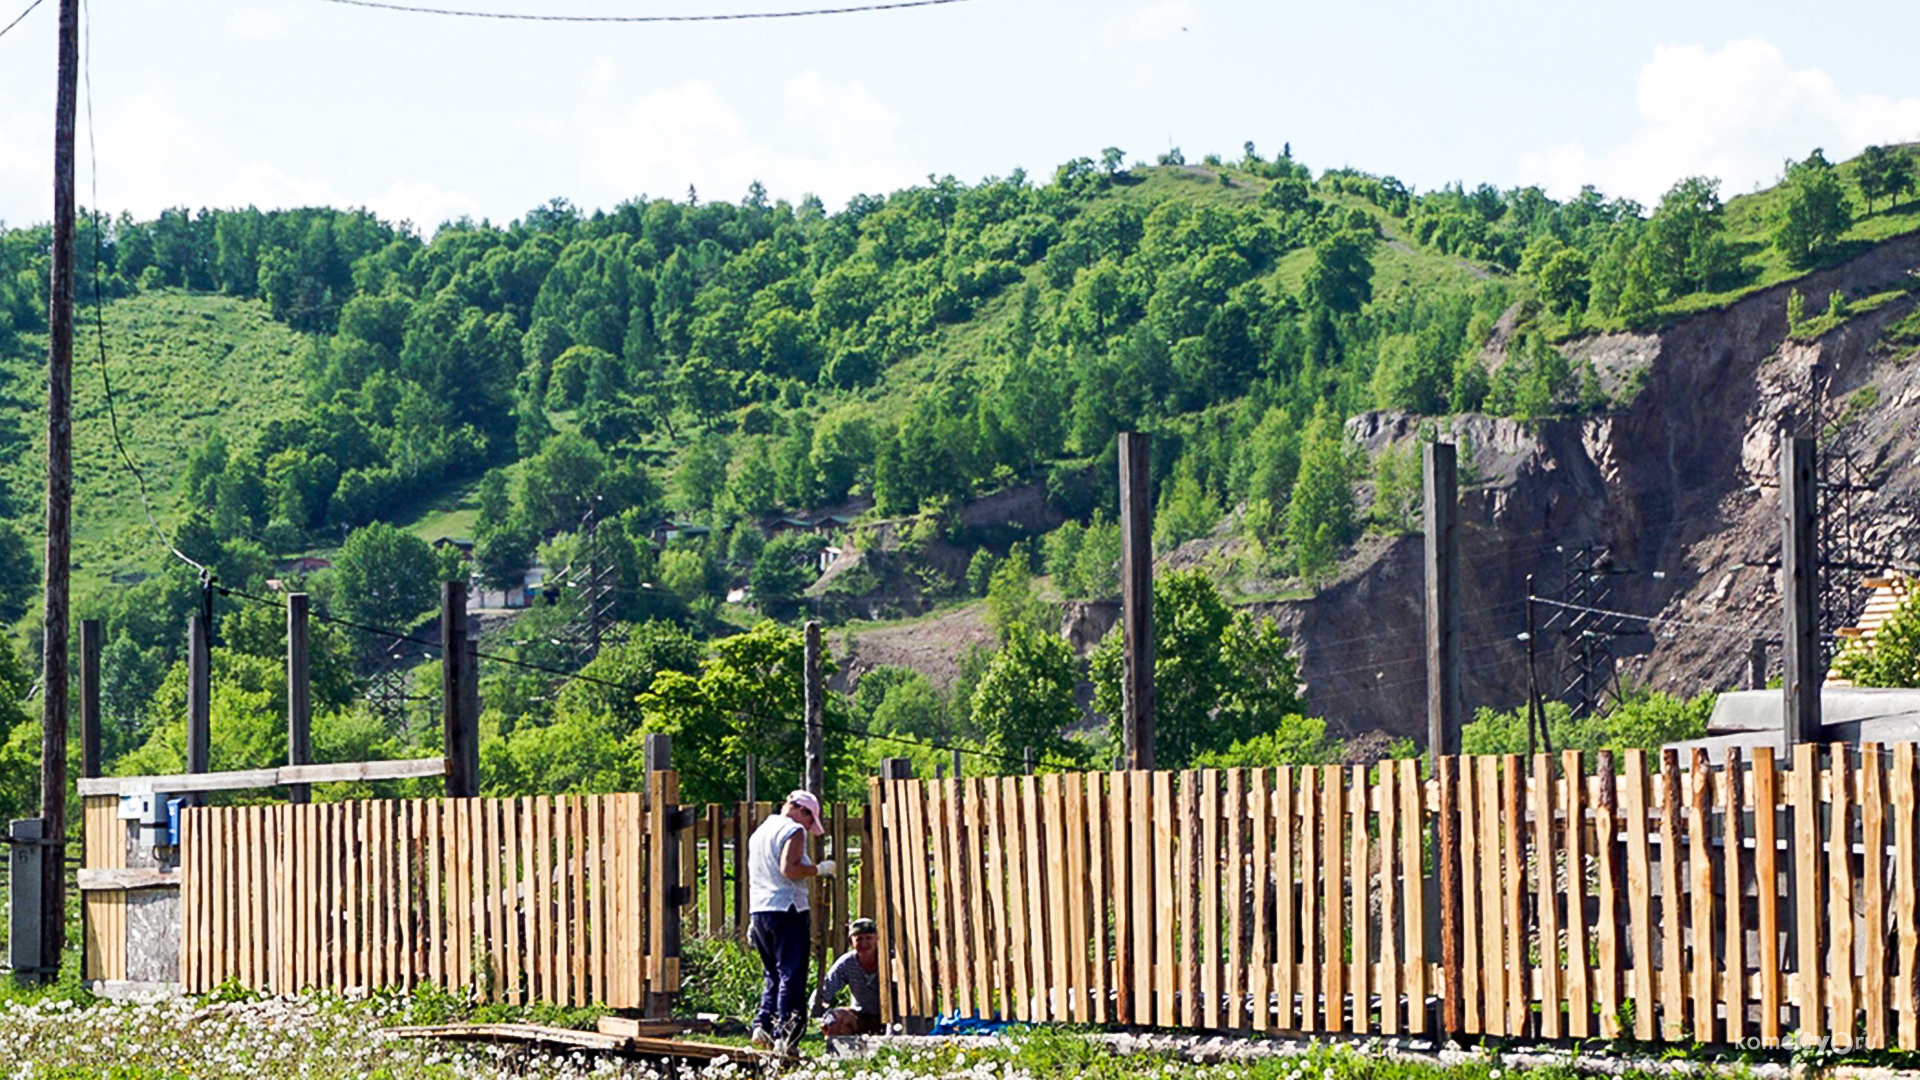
<point x="570" y="1039"/>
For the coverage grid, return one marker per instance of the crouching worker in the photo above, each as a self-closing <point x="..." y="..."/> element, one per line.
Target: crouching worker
<point x="778" y="869"/>
<point x="857" y="972"/>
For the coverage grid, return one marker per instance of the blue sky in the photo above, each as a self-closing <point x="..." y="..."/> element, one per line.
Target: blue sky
<point x="297" y="102"/>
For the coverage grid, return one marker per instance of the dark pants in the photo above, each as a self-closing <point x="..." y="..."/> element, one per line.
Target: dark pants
<point x="781" y="937"/>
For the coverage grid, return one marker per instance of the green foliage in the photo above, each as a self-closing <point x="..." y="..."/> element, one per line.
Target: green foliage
<point x="719" y="975"/>
<point x="1220" y="677"/>
<point x="1814" y="211"/>
<point x="1320" y="514"/>
<point x="1398" y="494"/>
<point x="1024" y="699"/>
<point x="1644" y="720"/>
<point x="1298" y="740"/>
<point x="1011" y="601"/>
<point x="386" y="577"/>
<point x="787" y="565"/>
<point x="1885" y="172"/>
<point x="1894" y="657"/>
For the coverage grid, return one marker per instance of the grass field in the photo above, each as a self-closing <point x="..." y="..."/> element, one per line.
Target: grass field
<point x="182" y="366"/>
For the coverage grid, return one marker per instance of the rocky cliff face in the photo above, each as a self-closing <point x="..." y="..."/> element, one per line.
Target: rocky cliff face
<point x="1679" y="482"/>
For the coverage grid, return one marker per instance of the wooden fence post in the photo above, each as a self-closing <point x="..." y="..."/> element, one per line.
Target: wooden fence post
<point x="1799" y="592"/>
<point x="665" y="893"/>
<point x="1443" y="643"/>
<point x="814" y="702"/>
<point x="462" y="741"/>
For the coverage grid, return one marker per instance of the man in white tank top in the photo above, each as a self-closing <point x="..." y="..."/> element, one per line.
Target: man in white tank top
<point x="777" y="873"/>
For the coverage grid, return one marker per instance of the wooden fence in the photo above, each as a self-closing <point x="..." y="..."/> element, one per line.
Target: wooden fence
<point x="1664" y="899"/>
<point x="547" y="898"/>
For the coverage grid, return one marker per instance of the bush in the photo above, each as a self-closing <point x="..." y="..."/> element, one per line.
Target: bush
<point x="719" y="975"/>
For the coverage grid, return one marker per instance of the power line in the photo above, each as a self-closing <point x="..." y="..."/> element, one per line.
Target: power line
<point x="17" y="18"/>
<point x="735" y="16"/>
<point x="99" y="305"/>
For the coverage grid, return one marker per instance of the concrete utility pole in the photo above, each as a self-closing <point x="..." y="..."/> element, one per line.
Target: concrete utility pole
<point x="816" y="709"/>
<point x="200" y="684"/>
<point x="54" y="631"/>
<point x="1136" y="599"/>
<point x="1443" y="597"/>
<point x="1799" y="591"/>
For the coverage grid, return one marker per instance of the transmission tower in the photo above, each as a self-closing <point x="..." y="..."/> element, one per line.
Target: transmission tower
<point x="591" y="580"/>
<point x="1587" y="674"/>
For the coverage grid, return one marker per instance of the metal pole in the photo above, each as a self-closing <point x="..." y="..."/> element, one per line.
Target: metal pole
<point x="299" y="693"/>
<point x="815" y="701"/>
<point x="1136" y="599"/>
<point x="1799" y="592"/>
<point x="54" y="630"/>
<point x="199" y="689"/>
<point x="1441" y="492"/>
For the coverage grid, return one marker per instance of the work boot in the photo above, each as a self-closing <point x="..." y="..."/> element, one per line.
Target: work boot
<point x="760" y="1038"/>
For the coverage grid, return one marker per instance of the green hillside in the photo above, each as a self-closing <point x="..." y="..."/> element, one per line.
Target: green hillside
<point x="182" y="367"/>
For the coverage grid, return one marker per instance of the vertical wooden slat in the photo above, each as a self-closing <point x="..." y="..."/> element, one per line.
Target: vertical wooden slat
<point x="906" y="863"/>
<point x="1164" y="900"/>
<point x="1873" y="974"/>
<point x="1840" y="895"/>
<point x="1073" y="883"/>
<point x="1766" y="877"/>
<point x="1358" y="871"/>
<point x="918" y="830"/>
<point x="957" y="971"/>
<point x="1260" y="827"/>
<point x="1609" y="862"/>
<point x="1012" y="823"/>
<point x="1513" y="814"/>
<point x="1333" y="827"/>
<point x="1672" y="905"/>
<point x="1475" y="983"/>
<point x="1211" y="817"/>
<point x="874" y="855"/>
<point x="1733" y="934"/>
<point x="999" y="929"/>
<point x="973" y="866"/>
<point x="1414" y="910"/>
<point x="1041" y="928"/>
<point x="1700" y="906"/>
<point x="1098" y="846"/>
<point x="1492" y="811"/>
<point x="596" y="834"/>
<point x="581" y="944"/>
<point x="1633" y="804"/>
<point x="1546" y="854"/>
<point x="1313" y="939"/>
<point x="1061" y="942"/>
<point x="541" y="951"/>
<point x="436" y="902"/>
<point x="1906" y="886"/>
<point x="1579" y="996"/>
<point x="1187" y="877"/>
<point x="1234" y="880"/>
<point x="1285" y="909"/>
<point x="512" y="886"/>
<point x="1389" y="804"/>
<point x="1140" y="889"/>
<point x="1809" y="912"/>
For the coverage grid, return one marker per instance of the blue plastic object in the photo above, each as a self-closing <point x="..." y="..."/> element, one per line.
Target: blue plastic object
<point x="173" y="822"/>
<point x="968" y="1025"/>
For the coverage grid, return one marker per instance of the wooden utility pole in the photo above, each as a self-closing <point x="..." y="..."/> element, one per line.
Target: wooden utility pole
<point x="1799" y="591"/>
<point x="200" y="686"/>
<point x="1442" y="494"/>
<point x="1136" y="599"/>
<point x="54" y="632"/>
<point x="753" y="779"/>
<point x="816" y="708"/>
<point x="299" y="693"/>
<point x="1757" y="664"/>
<point x="462" y="740"/>
<point x="90" y="698"/>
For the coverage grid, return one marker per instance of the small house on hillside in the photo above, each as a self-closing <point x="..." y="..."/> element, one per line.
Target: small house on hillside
<point x="668" y="529"/>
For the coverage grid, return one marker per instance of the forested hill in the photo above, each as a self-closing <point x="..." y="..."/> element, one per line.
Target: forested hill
<point x="721" y="361"/>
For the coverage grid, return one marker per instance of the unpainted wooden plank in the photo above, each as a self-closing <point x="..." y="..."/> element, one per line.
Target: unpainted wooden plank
<point x="1286" y="904"/>
<point x="1073" y="881"/>
<point x="1701" y="886"/>
<point x="1513" y="817"/>
<point x="1333" y="819"/>
<point x="1100" y="968"/>
<point x="999" y="930"/>
<point x="1873" y="842"/>
<point x="436" y="810"/>
<point x="580" y="943"/>
<point x="1020" y="956"/>
<point x="1673" y="995"/>
<point x="1808" y="895"/>
<point x="1164" y="907"/>
<point x="920" y="831"/>
<point x="1053" y="822"/>
<point x="1840" y="893"/>
<point x="974" y="892"/>
<point x="1573" y="790"/>
<point x="1733" y="932"/>
<point x="1386" y="798"/>
<point x="1187" y="878"/>
<point x="1359" y="983"/>
<point x="1766" y="894"/>
<point x="1212" y="819"/>
<point x="1413" y="949"/>
<point x="1313" y="939"/>
<point x="1633" y="804"/>
<point x="1260" y="829"/>
<point x="1461" y="780"/>
<point x="1233" y="865"/>
<point x="955" y="975"/>
<point x="1493" y="965"/>
<point x="1140" y="892"/>
<point x="596" y="840"/>
<point x="1905" y="819"/>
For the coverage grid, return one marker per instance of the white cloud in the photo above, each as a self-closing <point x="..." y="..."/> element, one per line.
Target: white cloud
<point x="1736" y="114"/>
<point x="832" y="139"/>
<point x="1133" y="45"/>
<point x="426" y="206"/>
<point x="262" y="23"/>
